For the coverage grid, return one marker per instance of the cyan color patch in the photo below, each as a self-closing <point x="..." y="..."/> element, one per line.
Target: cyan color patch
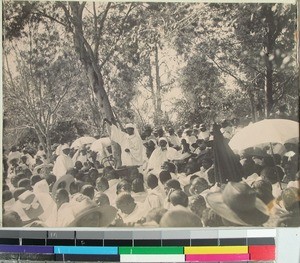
<point x="86" y="250"/>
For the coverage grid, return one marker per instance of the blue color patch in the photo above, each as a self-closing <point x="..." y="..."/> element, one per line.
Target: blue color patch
<point x="26" y="249"/>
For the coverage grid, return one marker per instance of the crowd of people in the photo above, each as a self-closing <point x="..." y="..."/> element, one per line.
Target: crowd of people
<point x="167" y="179"/>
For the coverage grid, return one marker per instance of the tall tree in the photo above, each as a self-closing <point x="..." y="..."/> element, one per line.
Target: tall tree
<point x="98" y="30"/>
<point x="201" y="85"/>
<point x="43" y="80"/>
<point x="266" y="32"/>
<point x="252" y="43"/>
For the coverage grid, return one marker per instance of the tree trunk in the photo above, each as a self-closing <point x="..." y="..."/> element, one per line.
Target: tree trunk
<point x="158" y="109"/>
<point x="48" y="146"/>
<point x="91" y="66"/>
<point x="252" y="106"/>
<point x="153" y="97"/>
<point x="269" y="89"/>
<point x="270" y="41"/>
<point x="105" y="107"/>
<point x="43" y="141"/>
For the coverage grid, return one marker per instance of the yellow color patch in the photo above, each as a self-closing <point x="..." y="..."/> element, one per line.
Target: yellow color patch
<point x="216" y="250"/>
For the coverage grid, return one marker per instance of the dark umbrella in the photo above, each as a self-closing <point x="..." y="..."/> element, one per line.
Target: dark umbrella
<point x="227" y="164"/>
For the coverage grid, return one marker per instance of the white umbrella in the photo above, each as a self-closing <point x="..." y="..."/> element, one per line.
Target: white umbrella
<point x="82" y="141"/>
<point x="265" y="132"/>
<point x="100" y="144"/>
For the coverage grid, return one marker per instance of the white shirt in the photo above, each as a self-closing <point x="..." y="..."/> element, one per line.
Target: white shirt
<point x="41" y="191"/>
<point x="13" y="155"/>
<point x="204" y="173"/>
<point x="204" y="135"/>
<point x="111" y="192"/>
<point x="78" y="156"/>
<point x="158" y="157"/>
<point x="132" y="142"/>
<point x="139" y="197"/>
<point x="173" y="139"/>
<point x="135" y="215"/>
<point x="62" y="164"/>
<point x="190" y="139"/>
<point x="64" y="215"/>
<point x="227" y="132"/>
<point x="154" y="199"/>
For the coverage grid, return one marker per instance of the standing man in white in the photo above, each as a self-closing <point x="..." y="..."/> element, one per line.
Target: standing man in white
<point x="63" y="162"/>
<point x="132" y="147"/>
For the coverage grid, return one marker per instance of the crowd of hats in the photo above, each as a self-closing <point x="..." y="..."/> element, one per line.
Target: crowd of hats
<point x="183" y="193"/>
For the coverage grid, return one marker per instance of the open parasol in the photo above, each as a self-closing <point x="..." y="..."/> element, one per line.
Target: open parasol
<point x="264" y="132"/>
<point x="82" y="141"/>
<point x="100" y="144"/>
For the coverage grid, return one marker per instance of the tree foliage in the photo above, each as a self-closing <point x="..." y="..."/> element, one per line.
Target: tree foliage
<point x="252" y="44"/>
<point x="45" y="84"/>
<point x="228" y="60"/>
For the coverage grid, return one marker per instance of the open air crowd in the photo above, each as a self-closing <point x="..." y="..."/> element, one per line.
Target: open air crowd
<point x="166" y="179"/>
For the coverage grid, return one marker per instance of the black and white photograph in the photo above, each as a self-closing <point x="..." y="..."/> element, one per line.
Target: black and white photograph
<point x="150" y="114"/>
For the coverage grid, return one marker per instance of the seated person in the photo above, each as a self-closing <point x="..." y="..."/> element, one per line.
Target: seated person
<point x="130" y="211"/>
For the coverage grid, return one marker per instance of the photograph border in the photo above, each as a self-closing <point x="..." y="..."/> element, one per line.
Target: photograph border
<point x="133" y="230"/>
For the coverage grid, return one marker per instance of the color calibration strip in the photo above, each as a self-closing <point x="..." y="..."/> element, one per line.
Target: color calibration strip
<point x="139" y="246"/>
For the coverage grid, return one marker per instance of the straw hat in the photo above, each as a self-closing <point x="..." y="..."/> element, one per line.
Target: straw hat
<point x="84" y="206"/>
<point x="66" y="179"/>
<point x="238" y="203"/>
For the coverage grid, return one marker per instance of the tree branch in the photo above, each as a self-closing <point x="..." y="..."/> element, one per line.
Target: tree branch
<point x="101" y="25"/>
<point x="168" y="84"/>
<point x="225" y="70"/>
<point x="99" y="31"/>
<point x="112" y="51"/>
<point x="67" y="13"/>
<point x="283" y="89"/>
<point x="57" y="104"/>
<point x="50" y="17"/>
<point x="81" y="8"/>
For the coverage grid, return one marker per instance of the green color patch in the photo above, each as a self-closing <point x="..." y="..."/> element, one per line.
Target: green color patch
<point x="150" y="250"/>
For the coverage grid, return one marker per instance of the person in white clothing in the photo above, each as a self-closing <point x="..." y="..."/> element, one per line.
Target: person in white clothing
<point x="63" y="162"/>
<point x="173" y="139"/>
<point x="162" y="154"/>
<point x="154" y="199"/>
<point x="42" y="193"/>
<point x="189" y="137"/>
<point x="13" y="154"/>
<point x="226" y="130"/>
<point x="64" y="209"/>
<point x="40" y="153"/>
<point x="204" y="133"/>
<point x="132" y="147"/>
<point x="81" y="155"/>
<point x="130" y="211"/>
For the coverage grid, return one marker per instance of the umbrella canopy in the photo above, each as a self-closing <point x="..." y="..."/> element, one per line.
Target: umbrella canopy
<point x="100" y="144"/>
<point x="265" y="132"/>
<point x="82" y="141"/>
<point x="226" y="164"/>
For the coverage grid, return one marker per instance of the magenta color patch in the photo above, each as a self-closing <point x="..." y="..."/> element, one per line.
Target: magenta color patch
<point x="218" y="257"/>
